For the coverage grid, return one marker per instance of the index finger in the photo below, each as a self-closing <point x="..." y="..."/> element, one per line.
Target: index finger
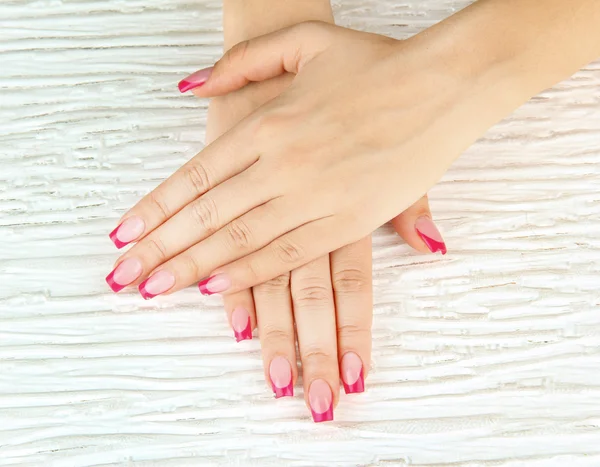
<point x="226" y="157"/>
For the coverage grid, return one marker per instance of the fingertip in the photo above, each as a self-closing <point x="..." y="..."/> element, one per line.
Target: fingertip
<point x="430" y="235"/>
<point x="195" y="80"/>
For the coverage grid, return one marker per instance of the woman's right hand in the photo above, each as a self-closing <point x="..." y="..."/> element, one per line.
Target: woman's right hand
<point x="314" y="169"/>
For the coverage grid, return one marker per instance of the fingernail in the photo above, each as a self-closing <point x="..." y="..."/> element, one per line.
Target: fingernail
<point x="241" y="324"/>
<point x="127" y="231"/>
<point x="195" y="80"/>
<point x="320" y="399"/>
<point x="280" y="372"/>
<point x="430" y="235"/>
<point x="214" y="284"/>
<point x="124" y="274"/>
<point x="352" y="373"/>
<point x="156" y="284"/>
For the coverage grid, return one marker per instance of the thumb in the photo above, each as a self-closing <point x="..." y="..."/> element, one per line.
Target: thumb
<point x="262" y="58"/>
<point x="416" y="227"/>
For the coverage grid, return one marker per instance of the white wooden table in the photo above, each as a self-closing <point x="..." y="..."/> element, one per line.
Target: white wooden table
<point x="488" y="356"/>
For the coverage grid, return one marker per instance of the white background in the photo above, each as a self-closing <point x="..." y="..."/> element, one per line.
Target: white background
<point x="488" y="356"/>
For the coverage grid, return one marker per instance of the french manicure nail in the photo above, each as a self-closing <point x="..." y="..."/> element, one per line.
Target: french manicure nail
<point x="156" y="284"/>
<point x="214" y="284"/>
<point x="320" y="399"/>
<point x="124" y="274"/>
<point x="127" y="231"/>
<point x="241" y="324"/>
<point x="195" y="80"/>
<point x="280" y="373"/>
<point x="430" y="235"/>
<point x="352" y="373"/>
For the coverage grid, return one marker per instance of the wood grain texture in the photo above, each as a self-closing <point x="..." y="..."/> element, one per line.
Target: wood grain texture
<point x="488" y="356"/>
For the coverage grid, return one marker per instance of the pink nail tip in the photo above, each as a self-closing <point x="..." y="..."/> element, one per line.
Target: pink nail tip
<point x="143" y="292"/>
<point x="244" y="335"/>
<point x="241" y="324"/>
<point x="158" y="283"/>
<point x="320" y="400"/>
<point x="203" y="289"/>
<point x="195" y="80"/>
<point x="433" y="245"/>
<point x="287" y="391"/>
<point x="431" y="236"/>
<point x="112" y="284"/>
<point x="214" y="284"/>
<point x="352" y="373"/>
<point x="124" y="274"/>
<point x="127" y="231"/>
<point x="113" y="236"/>
<point x="357" y="387"/>
<point x="323" y="417"/>
<point x="280" y="373"/>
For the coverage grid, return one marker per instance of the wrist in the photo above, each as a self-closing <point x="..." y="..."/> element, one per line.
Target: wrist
<point x="246" y="19"/>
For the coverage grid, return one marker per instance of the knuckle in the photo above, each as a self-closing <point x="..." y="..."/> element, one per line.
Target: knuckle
<point x="238" y="52"/>
<point x="239" y="235"/>
<point x="313" y="295"/>
<point x="272" y="335"/>
<point x="158" y="204"/>
<point x="264" y="126"/>
<point x="350" y="280"/>
<point x="197" y="177"/>
<point x="353" y="331"/>
<point x="281" y="282"/>
<point x="204" y="212"/>
<point x="190" y="265"/>
<point x="288" y="252"/>
<point x="157" y="248"/>
<point x="317" y="356"/>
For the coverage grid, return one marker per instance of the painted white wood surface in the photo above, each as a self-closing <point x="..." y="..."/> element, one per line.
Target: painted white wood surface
<point x="488" y="356"/>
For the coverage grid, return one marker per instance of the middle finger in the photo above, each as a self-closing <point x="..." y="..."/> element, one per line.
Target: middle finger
<point x="314" y="312"/>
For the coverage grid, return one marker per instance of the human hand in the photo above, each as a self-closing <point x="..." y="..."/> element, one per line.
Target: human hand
<point x="330" y="299"/>
<point x="310" y="139"/>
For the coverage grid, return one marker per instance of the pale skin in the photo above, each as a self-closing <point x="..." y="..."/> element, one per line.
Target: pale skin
<point x="367" y="126"/>
<point x="333" y="317"/>
<point x="328" y="302"/>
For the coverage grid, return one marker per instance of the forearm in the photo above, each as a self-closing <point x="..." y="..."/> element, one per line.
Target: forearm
<point x="245" y="19"/>
<point x="535" y="42"/>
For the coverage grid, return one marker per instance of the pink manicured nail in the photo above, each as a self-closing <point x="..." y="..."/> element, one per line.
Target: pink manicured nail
<point x="127" y="231"/>
<point x="214" y="284"/>
<point x="352" y="373"/>
<point x="124" y="274"/>
<point x="241" y="324"/>
<point x="430" y="235"/>
<point x="156" y="284"/>
<point x="280" y="373"/>
<point x="320" y="399"/>
<point x="195" y="80"/>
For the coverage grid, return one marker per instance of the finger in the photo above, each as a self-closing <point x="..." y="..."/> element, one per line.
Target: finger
<point x="197" y="221"/>
<point x="416" y="227"/>
<point x="314" y="312"/>
<point x="262" y="58"/>
<point x="276" y="331"/>
<point x="351" y="276"/>
<point x="241" y="314"/>
<point x="221" y="160"/>
<point x="242" y="236"/>
<point x="287" y="252"/>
